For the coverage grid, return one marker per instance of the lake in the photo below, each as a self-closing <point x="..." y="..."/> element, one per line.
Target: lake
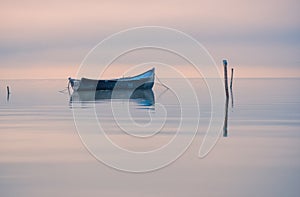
<point x="43" y="153"/>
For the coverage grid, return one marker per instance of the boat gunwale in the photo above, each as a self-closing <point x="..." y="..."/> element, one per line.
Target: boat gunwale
<point x="122" y="79"/>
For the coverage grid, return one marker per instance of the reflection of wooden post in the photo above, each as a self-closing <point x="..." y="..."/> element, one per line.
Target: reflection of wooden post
<point x="226" y="78"/>
<point x="231" y="94"/>
<point x="225" y="134"/>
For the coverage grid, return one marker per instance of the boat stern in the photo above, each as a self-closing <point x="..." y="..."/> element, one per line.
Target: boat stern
<point x="75" y="83"/>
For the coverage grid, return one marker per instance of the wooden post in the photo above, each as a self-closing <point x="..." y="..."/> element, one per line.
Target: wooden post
<point x="231" y="78"/>
<point x="8" y="92"/>
<point x="225" y="133"/>
<point x="231" y="94"/>
<point x="225" y="78"/>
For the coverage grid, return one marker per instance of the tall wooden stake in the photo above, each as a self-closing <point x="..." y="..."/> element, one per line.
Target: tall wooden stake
<point x="226" y="78"/>
<point x="225" y="134"/>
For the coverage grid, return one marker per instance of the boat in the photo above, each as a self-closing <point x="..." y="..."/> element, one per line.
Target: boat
<point x="142" y="97"/>
<point x="142" y="81"/>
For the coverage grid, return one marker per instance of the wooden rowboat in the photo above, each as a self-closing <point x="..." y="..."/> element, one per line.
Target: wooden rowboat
<point x="141" y="81"/>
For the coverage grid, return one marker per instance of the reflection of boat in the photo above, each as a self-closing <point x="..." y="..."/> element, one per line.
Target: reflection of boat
<point x="141" y="81"/>
<point x="140" y="96"/>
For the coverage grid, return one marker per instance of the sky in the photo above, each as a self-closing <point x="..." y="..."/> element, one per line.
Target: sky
<point x="50" y="38"/>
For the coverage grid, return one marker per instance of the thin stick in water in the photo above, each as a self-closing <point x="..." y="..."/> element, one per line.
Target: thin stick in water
<point x="231" y="94"/>
<point x="225" y="78"/>
<point x="8" y="92"/>
<point x="225" y="132"/>
<point x="231" y="78"/>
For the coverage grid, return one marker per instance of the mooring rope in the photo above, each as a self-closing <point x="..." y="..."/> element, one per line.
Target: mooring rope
<point x="161" y="83"/>
<point x="64" y="91"/>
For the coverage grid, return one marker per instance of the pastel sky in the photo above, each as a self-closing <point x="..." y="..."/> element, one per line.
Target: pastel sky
<point x="50" y="38"/>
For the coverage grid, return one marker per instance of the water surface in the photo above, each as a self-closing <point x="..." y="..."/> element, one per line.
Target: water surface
<point x="42" y="154"/>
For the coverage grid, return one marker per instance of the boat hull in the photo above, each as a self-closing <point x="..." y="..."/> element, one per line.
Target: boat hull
<point x="142" y="81"/>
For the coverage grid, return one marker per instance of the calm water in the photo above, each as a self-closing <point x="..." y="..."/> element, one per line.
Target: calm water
<point x="42" y="154"/>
